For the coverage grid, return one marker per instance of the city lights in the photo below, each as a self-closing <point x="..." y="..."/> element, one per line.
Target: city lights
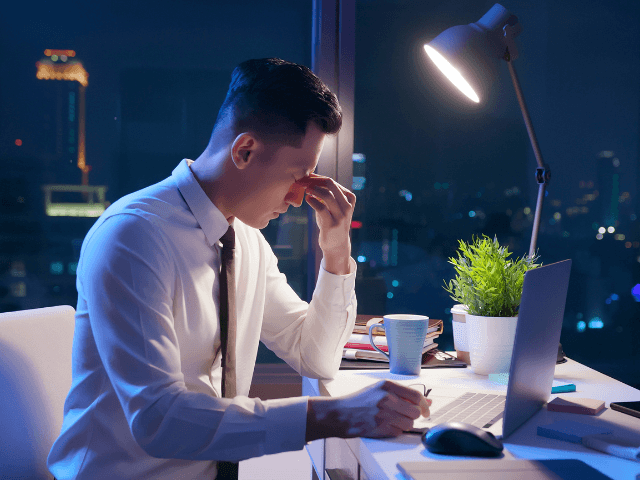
<point x="581" y="326"/>
<point x="72" y="71"/>
<point x="362" y="258"/>
<point x="94" y="207"/>
<point x="66" y="53"/>
<point x="602" y="230"/>
<point x="635" y="291"/>
<point x="611" y="229"/>
<point x="389" y="294"/>
<point x="19" y="289"/>
<point x="18" y="269"/>
<point x="358" y="183"/>
<point x="596" y="322"/>
<point x="56" y="268"/>
<point x="406" y="194"/>
<point x="395" y="283"/>
<point x="18" y="142"/>
<point x="599" y="236"/>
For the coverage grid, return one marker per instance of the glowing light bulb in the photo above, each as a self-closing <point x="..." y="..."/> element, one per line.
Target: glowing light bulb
<point x="451" y="73"/>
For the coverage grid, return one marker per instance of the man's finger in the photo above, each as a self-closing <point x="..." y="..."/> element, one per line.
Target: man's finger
<point x="425" y="403"/>
<point x="315" y="203"/>
<point x="400" y="407"/>
<point x="332" y="196"/>
<point x="345" y="199"/>
<point x="407" y="393"/>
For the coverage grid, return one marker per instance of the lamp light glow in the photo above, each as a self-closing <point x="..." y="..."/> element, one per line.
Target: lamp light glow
<point x="451" y="73"/>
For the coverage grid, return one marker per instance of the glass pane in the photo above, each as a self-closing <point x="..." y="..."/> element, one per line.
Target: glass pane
<point x="155" y="78"/>
<point x="432" y="168"/>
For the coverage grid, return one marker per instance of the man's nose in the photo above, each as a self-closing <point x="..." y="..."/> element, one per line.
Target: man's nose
<point x="295" y="195"/>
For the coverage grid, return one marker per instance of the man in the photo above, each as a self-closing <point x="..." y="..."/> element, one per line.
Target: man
<point x="146" y="398"/>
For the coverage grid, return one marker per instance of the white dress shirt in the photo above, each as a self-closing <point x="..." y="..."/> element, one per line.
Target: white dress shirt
<point x="145" y="396"/>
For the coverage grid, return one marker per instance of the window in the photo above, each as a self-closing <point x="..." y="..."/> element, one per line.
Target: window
<point x="433" y="169"/>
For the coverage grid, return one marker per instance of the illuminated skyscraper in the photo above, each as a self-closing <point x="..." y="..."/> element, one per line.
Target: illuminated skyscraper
<point x="63" y="112"/>
<point x="608" y="183"/>
<point x="65" y="128"/>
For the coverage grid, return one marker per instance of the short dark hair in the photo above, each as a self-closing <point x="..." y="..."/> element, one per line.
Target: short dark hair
<point x="276" y="100"/>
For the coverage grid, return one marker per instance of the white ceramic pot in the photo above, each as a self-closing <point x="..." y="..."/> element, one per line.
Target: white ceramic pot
<point x="490" y="343"/>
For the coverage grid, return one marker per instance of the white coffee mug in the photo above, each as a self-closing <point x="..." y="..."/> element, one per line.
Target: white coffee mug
<point x="405" y="339"/>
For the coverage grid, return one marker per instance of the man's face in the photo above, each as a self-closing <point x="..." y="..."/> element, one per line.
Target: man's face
<point x="270" y="181"/>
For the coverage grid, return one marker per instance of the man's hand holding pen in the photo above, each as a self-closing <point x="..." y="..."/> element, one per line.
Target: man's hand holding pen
<point x="386" y="409"/>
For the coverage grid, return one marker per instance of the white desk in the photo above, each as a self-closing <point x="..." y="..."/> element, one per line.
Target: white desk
<point x="363" y="458"/>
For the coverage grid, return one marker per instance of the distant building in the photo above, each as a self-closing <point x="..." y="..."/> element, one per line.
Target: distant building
<point x="608" y="185"/>
<point x="60" y="110"/>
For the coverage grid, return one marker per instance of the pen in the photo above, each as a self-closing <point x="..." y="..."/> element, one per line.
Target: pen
<point x="427" y="394"/>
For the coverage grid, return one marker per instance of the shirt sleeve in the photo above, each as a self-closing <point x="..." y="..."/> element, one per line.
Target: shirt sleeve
<point x="309" y="336"/>
<point x="127" y="278"/>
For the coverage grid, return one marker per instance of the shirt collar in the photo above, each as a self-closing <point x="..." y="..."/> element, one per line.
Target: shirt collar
<point x="211" y="220"/>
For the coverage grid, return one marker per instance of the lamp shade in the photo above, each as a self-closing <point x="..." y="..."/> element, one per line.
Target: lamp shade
<point x="467" y="54"/>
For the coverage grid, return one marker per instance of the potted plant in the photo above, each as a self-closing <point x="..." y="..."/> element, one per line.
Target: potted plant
<point x="489" y="283"/>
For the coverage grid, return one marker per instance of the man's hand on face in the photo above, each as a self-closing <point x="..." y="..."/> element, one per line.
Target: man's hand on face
<point x="334" y="206"/>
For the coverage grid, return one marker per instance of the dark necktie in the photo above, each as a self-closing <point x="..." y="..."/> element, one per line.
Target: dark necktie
<point x="228" y="470"/>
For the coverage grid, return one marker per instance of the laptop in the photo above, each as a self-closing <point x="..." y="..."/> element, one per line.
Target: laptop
<point x="533" y="361"/>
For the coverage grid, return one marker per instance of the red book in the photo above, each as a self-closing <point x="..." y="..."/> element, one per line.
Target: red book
<point x="384" y="348"/>
<point x="366" y="346"/>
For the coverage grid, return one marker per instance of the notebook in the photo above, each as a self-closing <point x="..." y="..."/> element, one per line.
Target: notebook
<point x="500" y="470"/>
<point x="533" y="362"/>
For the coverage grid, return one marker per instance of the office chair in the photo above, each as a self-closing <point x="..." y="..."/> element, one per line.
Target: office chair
<point x="35" y="377"/>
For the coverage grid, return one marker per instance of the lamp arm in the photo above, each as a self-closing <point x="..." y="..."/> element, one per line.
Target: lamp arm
<point x="543" y="174"/>
<point x="525" y="115"/>
<point x="536" y="220"/>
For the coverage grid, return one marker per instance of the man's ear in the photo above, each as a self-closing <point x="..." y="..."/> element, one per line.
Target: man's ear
<point x="244" y="149"/>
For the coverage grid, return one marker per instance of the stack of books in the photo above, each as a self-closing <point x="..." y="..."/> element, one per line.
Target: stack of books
<point x="359" y="348"/>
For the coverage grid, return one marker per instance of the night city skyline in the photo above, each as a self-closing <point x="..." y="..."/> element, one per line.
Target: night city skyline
<point x="428" y="168"/>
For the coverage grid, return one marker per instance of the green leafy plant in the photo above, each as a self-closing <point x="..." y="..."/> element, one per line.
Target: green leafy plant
<point x="487" y="280"/>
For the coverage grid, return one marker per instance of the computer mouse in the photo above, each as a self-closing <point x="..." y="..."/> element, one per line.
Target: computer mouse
<point x="454" y="438"/>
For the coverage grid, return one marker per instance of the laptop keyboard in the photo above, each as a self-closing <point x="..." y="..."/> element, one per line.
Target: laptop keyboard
<point x="478" y="409"/>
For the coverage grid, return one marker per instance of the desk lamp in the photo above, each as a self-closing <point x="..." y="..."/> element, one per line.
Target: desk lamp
<point x="467" y="55"/>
